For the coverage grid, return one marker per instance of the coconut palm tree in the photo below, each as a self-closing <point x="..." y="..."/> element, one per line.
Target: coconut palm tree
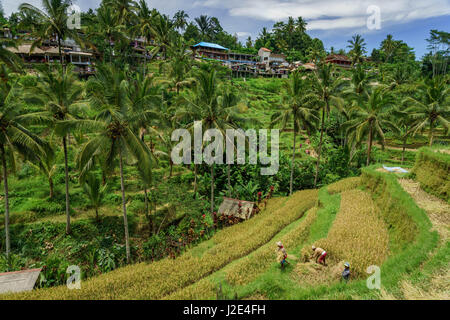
<point x="204" y="25"/>
<point x="180" y="19"/>
<point x="370" y="117"/>
<point x="46" y="164"/>
<point x="123" y="10"/>
<point x="15" y="138"/>
<point x="177" y="68"/>
<point x="389" y="46"/>
<point x="163" y="34"/>
<point x="299" y="109"/>
<point x="432" y="108"/>
<point x="51" y="22"/>
<point x="113" y="127"/>
<point x="357" y="48"/>
<point x="107" y="28"/>
<point x="324" y="86"/>
<point x="95" y="191"/>
<point x="208" y="104"/>
<point x="143" y="26"/>
<point x="61" y="95"/>
<point x="7" y="57"/>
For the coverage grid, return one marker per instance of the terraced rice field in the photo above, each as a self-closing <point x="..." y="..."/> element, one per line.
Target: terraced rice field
<point x="156" y="280"/>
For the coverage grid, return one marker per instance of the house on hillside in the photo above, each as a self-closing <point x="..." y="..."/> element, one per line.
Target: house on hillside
<point x="208" y="50"/>
<point x="339" y="60"/>
<point x="270" y="58"/>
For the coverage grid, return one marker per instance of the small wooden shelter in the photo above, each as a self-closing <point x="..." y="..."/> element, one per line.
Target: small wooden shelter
<point x="237" y="208"/>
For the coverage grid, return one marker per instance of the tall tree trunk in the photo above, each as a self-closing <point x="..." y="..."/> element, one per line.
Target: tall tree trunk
<point x="404" y="148"/>
<point x="431" y="134"/>
<point x="147" y="211"/>
<point x="61" y="59"/>
<point x="320" y="146"/>
<point x="66" y="171"/>
<point x="292" y="164"/>
<point x="369" y="147"/>
<point x="96" y="214"/>
<point x="195" y="181"/>
<point x="229" y="180"/>
<point x="124" y="208"/>
<point x="212" y="189"/>
<point x="50" y="183"/>
<point x="5" y="183"/>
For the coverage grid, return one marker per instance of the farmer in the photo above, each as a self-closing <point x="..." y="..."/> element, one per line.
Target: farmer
<point x="346" y="272"/>
<point x="319" y="255"/>
<point x="281" y="254"/>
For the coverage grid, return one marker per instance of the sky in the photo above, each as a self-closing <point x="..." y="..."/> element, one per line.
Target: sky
<point x="332" y="21"/>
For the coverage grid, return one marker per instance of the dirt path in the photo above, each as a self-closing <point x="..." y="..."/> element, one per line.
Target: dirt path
<point x="439" y="213"/>
<point x="394" y="148"/>
<point x="438" y="210"/>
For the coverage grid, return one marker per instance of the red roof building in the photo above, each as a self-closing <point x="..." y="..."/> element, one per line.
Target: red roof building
<point x="339" y="60"/>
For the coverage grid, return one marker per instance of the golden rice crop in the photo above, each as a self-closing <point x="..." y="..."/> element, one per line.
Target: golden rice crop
<point x="248" y="268"/>
<point x="344" y="185"/>
<point x="161" y="278"/>
<point x="358" y="234"/>
<point x="201" y="290"/>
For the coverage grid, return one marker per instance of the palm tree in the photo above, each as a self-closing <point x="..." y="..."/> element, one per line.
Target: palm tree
<point x="7" y="57"/>
<point x="163" y="33"/>
<point x="204" y="25"/>
<point x="51" y="22"/>
<point x="299" y="110"/>
<point x="95" y="191"/>
<point x="15" y="138"/>
<point x="46" y="164"/>
<point x="107" y="28"/>
<point x="143" y="27"/>
<point x="61" y="94"/>
<point x="180" y="19"/>
<point x="324" y="86"/>
<point x="123" y="10"/>
<point x="113" y="129"/>
<point x="432" y="108"/>
<point x="208" y="105"/>
<point x="357" y="48"/>
<point x="371" y="117"/>
<point x="178" y="66"/>
<point x="389" y="46"/>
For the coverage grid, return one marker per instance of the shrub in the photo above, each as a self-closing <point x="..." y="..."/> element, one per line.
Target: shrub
<point x="344" y="185"/>
<point x="432" y="170"/>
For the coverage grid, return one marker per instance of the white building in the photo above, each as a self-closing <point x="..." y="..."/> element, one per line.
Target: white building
<point x="271" y="59"/>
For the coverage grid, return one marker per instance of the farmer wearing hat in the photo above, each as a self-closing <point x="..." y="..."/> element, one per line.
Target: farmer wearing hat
<point x="346" y="272"/>
<point x="281" y="254"/>
<point x="319" y="255"/>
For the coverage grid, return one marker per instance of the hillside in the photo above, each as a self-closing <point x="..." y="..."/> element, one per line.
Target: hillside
<point x="376" y="219"/>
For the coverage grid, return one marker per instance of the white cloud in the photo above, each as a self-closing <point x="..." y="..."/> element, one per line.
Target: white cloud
<point x="243" y="34"/>
<point x="331" y="14"/>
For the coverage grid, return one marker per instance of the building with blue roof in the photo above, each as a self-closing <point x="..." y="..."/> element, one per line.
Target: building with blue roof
<point x="210" y="46"/>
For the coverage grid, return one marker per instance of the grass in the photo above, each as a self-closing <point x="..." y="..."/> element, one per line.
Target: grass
<point x="432" y="170"/>
<point x="154" y="281"/>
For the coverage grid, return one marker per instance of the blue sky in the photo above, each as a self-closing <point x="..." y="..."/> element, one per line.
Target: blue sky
<point x="333" y="21"/>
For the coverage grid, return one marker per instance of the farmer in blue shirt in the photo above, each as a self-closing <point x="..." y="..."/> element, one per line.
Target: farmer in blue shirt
<point x="346" y="272"/>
